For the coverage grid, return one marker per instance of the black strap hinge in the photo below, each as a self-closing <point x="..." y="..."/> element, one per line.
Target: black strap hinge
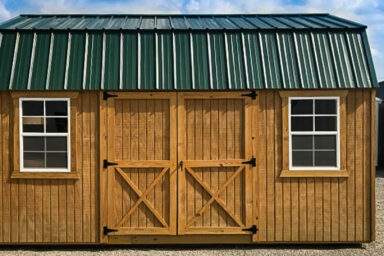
<point x="108" y="230"/>
<point x="107" y="95"/>
<point x="252" y="95"/>
<point x="252" y="229"/>
<point x="106" y="163"/>
<point x="251" y="162"/>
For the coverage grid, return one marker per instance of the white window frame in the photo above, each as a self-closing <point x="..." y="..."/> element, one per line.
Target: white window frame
<point x="44" y="134"/>
<point x="337" y="133"/>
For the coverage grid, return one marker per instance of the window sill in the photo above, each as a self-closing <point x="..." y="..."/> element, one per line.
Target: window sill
<point x="45" y="175"/>
<point x="314" y="174"/>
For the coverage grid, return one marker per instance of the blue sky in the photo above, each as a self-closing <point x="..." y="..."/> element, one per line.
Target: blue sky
<point x="369" y="12"/>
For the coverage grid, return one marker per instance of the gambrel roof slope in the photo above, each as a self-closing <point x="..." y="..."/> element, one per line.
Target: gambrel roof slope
<point x="184" y="52"/>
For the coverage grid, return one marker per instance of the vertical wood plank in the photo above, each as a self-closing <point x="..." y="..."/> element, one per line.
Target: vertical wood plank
<point x="22" y="209"/>
<point x="135" y="151"/>
<point x="222" y="155"/>
<point x="230" y="190"/>
<point x="303" y="211"/>
<point x="373" y="166"/>
<point x="351" y="192"/>
<point x="270" y="166"/>
<point x="190" y="154"/>
<point x="327" y="209"/>
<point x="94" y="209"/>
<point x="198" y="190"/>
<point x="39" y="211"/>
<point x="142" y="156"/>
<point x="78" y="186"/>
<point x="55" y="211"/>
<point x="62" y="205"/>
<point x="7" y="204"/>
<point x="214" y="156"/>
<point x="319" y="212"/>
<point x="359" y="165"/>
<point x="206" y="219"/>
<point x="46" y="211"/>
<point x="343" y="181"/>
<point x="103" y="193"/>
<point x="295" y="208"/>
<point x="30" y="197"/>
<point x="181" y="138"/>
<point x="311" y="209"/>
<point x="278" y="167"/>
<point x="334" y="209"/>
<point x="262" y="168"/>
<point x="151" y="221"/>
<point x="86" y="167"/>
<point x="367" y="164"/>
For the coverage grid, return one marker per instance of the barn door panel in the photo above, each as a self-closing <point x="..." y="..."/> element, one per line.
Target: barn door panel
<point x="142" y="164"/>
<point x="214" y="176"/>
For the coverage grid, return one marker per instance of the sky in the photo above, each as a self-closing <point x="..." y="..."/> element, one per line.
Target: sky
<point x="368" y="12"/>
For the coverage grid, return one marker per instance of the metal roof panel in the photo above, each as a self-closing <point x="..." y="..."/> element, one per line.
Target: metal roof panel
<point x="184" y="52"/>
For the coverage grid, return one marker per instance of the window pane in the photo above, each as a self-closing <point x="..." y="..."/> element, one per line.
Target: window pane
<point x="31" y="124"/>
<point x="33" y="108"/>
<point x="56" y="144"/>
<point x="56" y="108"/>
<point x="57" y="125"/>
<point x="325" y="123"/>
<point x="325" y="158"/>
<point x="57" y="160"/>
<point x="301" y="106"/>
<point x="301" y="123"/>
<point x="325" y="106"/>
<point x="34" y="160"/>
<point x="33" y="143"/>
<point x="302" y="142"/>
<point x="325" y="142"/>
<point x="302" y="158"/>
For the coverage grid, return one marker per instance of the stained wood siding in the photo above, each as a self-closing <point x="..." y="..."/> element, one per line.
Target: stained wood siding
<point x="142" y="184"/>
<point x="52" y="211"/>
<point x="314" y="209"/>
<point x="214" y="131"/>
<point x="286" y="209"/>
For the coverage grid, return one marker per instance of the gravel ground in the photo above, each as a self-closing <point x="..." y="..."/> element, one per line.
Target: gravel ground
<point x="375" y="248"/>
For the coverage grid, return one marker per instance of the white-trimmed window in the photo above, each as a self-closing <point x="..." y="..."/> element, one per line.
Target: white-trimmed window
<point x="44" y="134"/>
<point x="314" y="133"/>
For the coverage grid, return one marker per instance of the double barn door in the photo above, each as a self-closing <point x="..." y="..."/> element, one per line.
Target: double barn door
<point x="177" y="164"/>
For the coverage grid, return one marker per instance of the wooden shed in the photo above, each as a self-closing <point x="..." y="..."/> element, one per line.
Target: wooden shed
<point x="152" y="129"/>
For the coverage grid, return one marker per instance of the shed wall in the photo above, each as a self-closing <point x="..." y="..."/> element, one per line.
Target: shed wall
<point x="287" y="209"/>
<point x="315" y="209"/>
<point x="52" y="211"/>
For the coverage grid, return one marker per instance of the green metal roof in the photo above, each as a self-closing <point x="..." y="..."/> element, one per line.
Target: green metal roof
<point x="183" y="52"/>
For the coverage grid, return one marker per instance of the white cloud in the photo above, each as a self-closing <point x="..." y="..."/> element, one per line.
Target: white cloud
<point x="4" y="13"/>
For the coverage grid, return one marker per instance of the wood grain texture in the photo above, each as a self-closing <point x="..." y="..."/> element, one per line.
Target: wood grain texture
<point x="50" y="210"/>
<point x="215" y="139"/>
<point x="317" y="208"/>
<point x="142" y="141"/>
<point x="286" y="209"/>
